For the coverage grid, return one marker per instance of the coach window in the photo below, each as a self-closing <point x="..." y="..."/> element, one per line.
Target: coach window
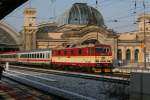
<point x="48" y="55"/>
<point x="41" y="55"/>
<point x="44" y="55"/>
<point x="36" y="55"/>
<point x="26" y="55"/>
<point x="33" y="55"/>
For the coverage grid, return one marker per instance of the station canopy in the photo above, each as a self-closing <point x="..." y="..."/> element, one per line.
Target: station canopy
<point x="7" y="6"/>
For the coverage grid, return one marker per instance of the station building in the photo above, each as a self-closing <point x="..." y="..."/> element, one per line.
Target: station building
<point x="80" y="25"/>
<point x="84" y="25"/>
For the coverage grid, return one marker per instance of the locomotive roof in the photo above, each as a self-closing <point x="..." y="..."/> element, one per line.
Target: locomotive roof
<point x="84" y="46"/>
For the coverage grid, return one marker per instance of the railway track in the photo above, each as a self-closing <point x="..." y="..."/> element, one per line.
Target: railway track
<point x="122" y="78"/>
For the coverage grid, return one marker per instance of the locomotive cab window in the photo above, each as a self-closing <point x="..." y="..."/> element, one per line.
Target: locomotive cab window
<point x="101" y="50"/>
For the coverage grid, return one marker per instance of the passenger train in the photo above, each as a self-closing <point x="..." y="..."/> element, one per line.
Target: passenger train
<point x="96" y="58"/>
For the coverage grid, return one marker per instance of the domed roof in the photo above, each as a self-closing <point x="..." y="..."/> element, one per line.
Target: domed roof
<point x="82" y="14"/>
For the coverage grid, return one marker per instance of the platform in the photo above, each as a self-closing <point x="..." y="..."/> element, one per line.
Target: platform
<point x="13" y="91"/>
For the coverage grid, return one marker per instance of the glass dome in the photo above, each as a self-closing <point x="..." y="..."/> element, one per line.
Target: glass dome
<point x="81" y="14"/>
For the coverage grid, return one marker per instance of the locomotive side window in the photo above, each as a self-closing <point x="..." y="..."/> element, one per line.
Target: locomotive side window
<point x="102" y="49"/>
<point x="80" y="51"/>
<point x="59" y="52"/>
<point x="71" y="52"/>
<point x="99" y="50"/>
<point x="91" y="51"/>
<point x="65" y="52"/>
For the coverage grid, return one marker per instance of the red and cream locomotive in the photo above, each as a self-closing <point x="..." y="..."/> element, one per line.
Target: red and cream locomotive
<point x="97" y="58"/>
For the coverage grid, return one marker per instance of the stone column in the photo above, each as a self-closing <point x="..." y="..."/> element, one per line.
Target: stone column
<point x="123" y="54"/>
<point x="30" y="29"/>
<point x="141" y="56"/>
<point x="132" y="54"/>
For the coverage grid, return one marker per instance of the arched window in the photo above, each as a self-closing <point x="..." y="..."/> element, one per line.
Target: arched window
<point x="119" y="54"/>
<point x="136" y="55"/>
<point x="128" y="55"/>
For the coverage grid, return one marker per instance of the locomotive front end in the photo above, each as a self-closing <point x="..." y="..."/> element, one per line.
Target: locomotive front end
<point x="103" y="58"/>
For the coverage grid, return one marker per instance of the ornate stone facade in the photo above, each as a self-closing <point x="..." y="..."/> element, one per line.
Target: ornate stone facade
<point x="126" y="47"/>
<point x="131" y="45"/>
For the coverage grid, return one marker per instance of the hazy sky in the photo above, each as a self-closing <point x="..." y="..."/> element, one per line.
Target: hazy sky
<point x="118" y="14"/>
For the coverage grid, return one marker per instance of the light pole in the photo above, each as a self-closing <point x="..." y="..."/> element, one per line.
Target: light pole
<point x="144" y="41"/>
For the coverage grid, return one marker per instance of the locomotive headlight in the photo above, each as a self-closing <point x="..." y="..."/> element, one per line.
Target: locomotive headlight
<point x="96" y="60"/>
<point x="103" y="58"/>
<point x="108" y="60"/>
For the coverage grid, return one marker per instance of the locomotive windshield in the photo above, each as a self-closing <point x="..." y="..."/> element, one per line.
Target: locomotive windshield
<point x="102" y="50"/>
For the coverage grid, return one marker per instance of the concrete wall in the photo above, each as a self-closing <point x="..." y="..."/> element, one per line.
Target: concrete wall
<point x="140" y="86"/>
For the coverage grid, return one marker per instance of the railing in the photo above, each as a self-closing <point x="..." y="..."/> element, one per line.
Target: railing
<point x="131" y="69"/>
